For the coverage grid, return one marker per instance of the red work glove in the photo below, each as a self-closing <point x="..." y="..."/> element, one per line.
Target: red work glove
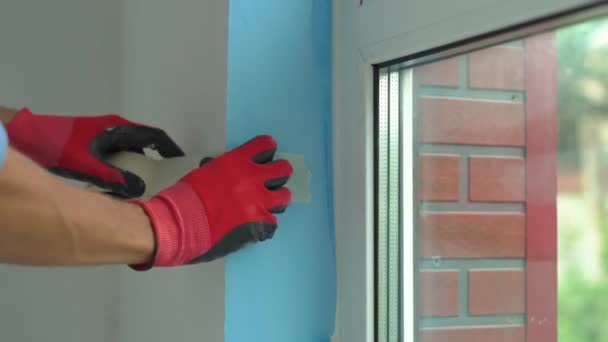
<point x="76" y="147"/>
<point x="221" y="206"/>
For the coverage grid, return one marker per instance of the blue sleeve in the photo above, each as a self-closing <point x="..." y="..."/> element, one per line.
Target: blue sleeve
<point x="3" y="144"/>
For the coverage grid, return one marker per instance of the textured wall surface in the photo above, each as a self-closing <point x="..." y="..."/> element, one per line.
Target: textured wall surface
<point x="173" y="69"/>
<point x="173" y="62"/>
<point x="156" y="62"/>
<point x="279" y="82"/>
<point x="60" y="57"/>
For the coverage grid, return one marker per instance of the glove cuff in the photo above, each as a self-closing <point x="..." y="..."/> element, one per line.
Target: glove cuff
<point x="180" y="224"/>
<point x="40" y="137"/>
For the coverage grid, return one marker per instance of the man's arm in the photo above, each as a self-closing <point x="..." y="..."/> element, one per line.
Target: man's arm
<point x="212" y="211"/>
<point x="47" y="222"/>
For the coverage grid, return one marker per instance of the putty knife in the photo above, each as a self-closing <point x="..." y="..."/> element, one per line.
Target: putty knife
<point x="159" y="174"/>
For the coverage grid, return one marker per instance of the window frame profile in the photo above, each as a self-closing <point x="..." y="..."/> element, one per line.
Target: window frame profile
<point x="408" y="168"/>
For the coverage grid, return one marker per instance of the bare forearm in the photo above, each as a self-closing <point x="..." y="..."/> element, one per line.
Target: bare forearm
<point x="47" y="222"/>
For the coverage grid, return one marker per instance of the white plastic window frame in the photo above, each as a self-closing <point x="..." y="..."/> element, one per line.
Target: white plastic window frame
<point x="356" y="61"/>
<point x="408" y="208"/>
<point x="395" y="79"/>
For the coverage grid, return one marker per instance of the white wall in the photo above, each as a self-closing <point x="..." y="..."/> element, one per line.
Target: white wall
<point x="174" y="76"/>
<point x="59" y="56"/>
<point x="174" y="69"/>
<point x="159" y="62"/>
<point x="378" y="31"/>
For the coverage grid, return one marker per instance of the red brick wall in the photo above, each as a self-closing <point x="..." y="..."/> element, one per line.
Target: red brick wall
<point x="472" y="174"/>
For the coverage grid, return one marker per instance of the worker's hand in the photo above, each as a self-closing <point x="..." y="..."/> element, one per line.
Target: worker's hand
<point x="76" y="147"/>
<point x="228" y="202"/>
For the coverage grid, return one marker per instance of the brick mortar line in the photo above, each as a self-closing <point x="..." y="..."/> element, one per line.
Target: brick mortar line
<point x="473" y="321"/>
<point x="465" y="264"/>
<point x="517" y="97"/>
<point x="463" y="293"/>
<point x="519" y="43"/>
<point x="463" y="72"/>
<point x="466" y="268"/>
<point x="469" y="150"/>
<point x="467" y="207"/>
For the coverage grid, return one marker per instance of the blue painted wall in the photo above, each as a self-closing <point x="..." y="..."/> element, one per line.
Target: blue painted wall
<point x="279" y="82"/>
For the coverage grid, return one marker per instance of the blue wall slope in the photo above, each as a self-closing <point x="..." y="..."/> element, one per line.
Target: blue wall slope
<point x="279" y="83"/>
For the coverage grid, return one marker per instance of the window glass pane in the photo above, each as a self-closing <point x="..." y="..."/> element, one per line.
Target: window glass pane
<point x="582" y="181"/>
<point x="509" y="145"/>
<point x="471" y="232"/>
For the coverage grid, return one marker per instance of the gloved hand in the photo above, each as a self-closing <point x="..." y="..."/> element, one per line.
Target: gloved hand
<point x="228" y="202"/>
<point x="76" y="147"/>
